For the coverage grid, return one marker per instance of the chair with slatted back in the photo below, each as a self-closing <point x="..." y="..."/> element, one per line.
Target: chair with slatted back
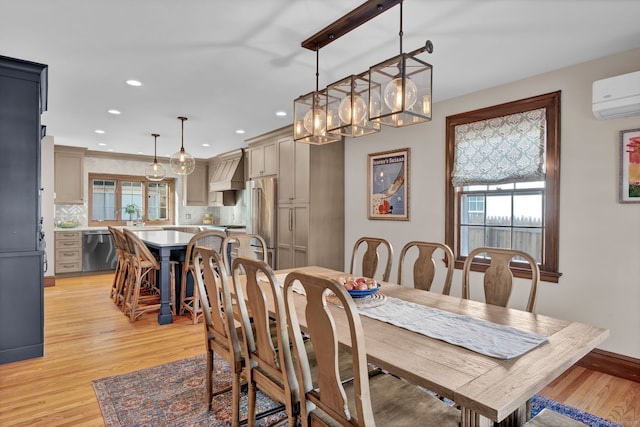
<point x="243" y="245"/>
<point x="120" y="275"/>
<point x="142" y="293"/>
<point x="267" y="354"/>
<point x="191" y="303"/>
<point x="424" y="265"/>
<point x="221" y="337"/>
<point x="498" y="278"/>
<point x="382" y="399"/>
<point x="371" y="257"/>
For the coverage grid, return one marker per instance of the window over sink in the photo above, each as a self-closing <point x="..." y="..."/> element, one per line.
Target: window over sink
<point x="119" y="199"/>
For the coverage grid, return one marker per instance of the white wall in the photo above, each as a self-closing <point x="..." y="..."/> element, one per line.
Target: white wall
<point x="599" y="237"/>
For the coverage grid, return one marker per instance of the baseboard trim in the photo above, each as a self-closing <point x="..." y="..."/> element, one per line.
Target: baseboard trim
<point x="612" y="364"/>
<point x="49" y="281"/>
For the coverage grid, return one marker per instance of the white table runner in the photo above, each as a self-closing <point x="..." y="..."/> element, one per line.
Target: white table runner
<point x="280" y="278"/>
<point x="481" y="336"/>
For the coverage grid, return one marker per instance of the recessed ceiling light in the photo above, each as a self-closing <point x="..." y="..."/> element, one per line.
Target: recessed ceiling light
<point x="281" y="113"/>
<point x="205" y="145"/>
<point x="240" y="131"/>
<point x="109" y="149"/>
<point x="140" y="152"/>
<point x="102" y="144"/>
<point x="114" y="112"/>
<point x="134" y="83"/>
<point x="100" y="131"/>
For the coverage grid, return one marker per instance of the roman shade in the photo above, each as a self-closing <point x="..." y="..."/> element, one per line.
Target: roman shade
<point x="499" y="150"/>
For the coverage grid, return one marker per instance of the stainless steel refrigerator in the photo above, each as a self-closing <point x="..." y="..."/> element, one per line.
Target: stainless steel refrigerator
<point x="262" y="212"/>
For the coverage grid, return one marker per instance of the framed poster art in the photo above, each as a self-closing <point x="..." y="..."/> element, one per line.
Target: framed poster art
<point x="388" y="185"/>
<point x="630" y="166"/>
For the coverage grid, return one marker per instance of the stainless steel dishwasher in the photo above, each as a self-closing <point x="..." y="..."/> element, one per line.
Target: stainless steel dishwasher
<point x="98" y="251"/>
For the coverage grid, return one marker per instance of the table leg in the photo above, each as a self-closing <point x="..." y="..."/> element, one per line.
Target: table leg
<point x="165" y="316"/>
<point x="470" y="418"/>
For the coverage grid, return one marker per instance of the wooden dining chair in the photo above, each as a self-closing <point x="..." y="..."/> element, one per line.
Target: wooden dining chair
<point x="424" y="264"/>
<point x="371" y="257"/>
<point x="267" y="354"/>
<point x="221" y="335"/>
<point x="244" y="245"/>
<point x="382" y="399"/>
<point x="191" y="303"/>
<point x="498" y="278"/>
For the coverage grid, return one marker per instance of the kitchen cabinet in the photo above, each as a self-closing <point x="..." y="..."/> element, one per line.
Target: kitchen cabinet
<point x="69" y="175"/>
<point x="263" y="159"/>
<point x="195" y="192"/>
<point x="311" y="203"/>
<point x="293" y="175"/>
<point x="23" y="86"/>
<point x="68" y="248"/>
<point x="293" y="235"/>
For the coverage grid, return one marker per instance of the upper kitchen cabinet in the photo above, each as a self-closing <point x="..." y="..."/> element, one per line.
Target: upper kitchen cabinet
<point x="195" y="192"/>
<point x="293" y="175"/>
<point x="23" y="98"/>
<point x="69" y="175"/>
<point x="263" y="156"/>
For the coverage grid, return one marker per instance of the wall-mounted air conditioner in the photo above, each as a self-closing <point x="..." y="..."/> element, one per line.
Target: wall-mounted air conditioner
<point x="617" y="97"/>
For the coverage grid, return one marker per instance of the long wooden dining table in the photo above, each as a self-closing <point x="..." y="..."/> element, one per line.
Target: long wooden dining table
<point x="487" y="389"/>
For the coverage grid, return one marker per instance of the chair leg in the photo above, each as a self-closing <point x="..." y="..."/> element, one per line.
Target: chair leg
<point x="182" y="306"/>
<point x="172" y="291"/>
<point x="135" y="296"/>
<point x="195" y="304"/>
<point x="210" y="379"/>
<point x="189" y="304"/>
<point x="235" y="400"/>
<point x="127" y="288"/>
<point x="251" y="394"/>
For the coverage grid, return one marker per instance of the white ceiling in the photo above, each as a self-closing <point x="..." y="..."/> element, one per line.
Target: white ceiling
<point x="230" y="65"/>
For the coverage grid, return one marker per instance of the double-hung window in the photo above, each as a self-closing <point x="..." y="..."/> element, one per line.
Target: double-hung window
<point x="503" y="169"/>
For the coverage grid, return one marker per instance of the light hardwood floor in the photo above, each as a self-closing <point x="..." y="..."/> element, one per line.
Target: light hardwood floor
<point x="87" y="337"/>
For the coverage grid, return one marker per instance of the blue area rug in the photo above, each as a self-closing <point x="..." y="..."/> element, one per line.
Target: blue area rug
<point x="538" y="403"/>
<point x="173" y="394"/>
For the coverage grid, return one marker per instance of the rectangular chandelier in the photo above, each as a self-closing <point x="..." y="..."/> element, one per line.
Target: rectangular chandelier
<point x="396" y="92"/>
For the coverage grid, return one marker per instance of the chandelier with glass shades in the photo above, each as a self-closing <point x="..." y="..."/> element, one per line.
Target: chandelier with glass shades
<point x="396" y="92"/>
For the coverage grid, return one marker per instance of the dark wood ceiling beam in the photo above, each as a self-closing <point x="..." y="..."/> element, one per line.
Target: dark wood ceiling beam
<point x="352" y="20"/>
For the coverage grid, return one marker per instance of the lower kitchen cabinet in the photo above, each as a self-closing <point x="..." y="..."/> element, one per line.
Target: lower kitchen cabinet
<point x="68" y="246"/>
<point x="293" y="235"/>
<point x="21" y="306"/>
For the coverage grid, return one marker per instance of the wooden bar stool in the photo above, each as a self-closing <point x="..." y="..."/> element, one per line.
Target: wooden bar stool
<point x="142" y="293"/>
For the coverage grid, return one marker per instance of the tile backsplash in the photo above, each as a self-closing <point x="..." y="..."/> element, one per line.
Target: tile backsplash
<point x="75" y="213"/>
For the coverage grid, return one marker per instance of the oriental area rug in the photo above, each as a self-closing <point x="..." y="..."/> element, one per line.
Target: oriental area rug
<point x="173" y="394"/>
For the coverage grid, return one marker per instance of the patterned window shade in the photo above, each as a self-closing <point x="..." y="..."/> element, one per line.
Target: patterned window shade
<point x="499" y="150"/>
